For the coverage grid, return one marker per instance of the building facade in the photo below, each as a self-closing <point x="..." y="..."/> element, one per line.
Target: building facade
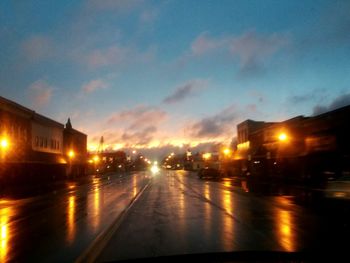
<point x="301" y="148"/>
<point x="34" y="147"/>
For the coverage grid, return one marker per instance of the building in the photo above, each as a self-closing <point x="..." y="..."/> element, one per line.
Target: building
<point x="112" y="161"/>
<point x="34" y="147"/>
<point x="74" y="145"/>
<point x="301" y="148"/>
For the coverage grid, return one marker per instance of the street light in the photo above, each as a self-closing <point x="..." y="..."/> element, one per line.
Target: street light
<point x="227" y="151"/>
<point x="96" y="159"/>
<point x="4" y="144"/>
<point x="71" y="154"/>
<point x="282" y="137"/>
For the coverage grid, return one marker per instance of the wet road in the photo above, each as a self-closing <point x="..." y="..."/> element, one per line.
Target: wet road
<point x="58" y="225"/>
<point x="176" y="214"/>
<point x="181" y="214"/>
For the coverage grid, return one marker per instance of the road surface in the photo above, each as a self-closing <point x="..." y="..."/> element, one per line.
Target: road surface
<point x="57" y="226"/>
<point x="177" y="213"/>
<point x="181" y="214"/>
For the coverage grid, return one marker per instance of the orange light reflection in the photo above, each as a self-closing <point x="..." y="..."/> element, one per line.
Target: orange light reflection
<point x="4" y="238"/>
<point x="95" y="205"/>
<point x="227" y="233"/>
<point x="134" y="186"/>
<point x="71" y="218"/>
<point x="207" y="212"/>
<point x="285" y="233"/>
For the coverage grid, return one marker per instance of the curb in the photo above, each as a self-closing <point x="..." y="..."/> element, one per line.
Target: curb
<point x="95" y="248"/>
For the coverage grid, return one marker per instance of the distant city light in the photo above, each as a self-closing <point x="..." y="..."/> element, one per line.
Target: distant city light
<point x="206" y="156"/>
<point x="227" y="151"/>
<point x="154" y="169"/>
<point x="117" y="146"/>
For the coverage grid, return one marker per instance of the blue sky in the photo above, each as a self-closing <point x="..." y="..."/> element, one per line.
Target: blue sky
<point x="154" y="73"/>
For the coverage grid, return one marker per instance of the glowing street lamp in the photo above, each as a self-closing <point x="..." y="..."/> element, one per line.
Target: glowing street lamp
<point x="282" y="137"/>
<point x="96" y="159"/>
<point x="227" y="151"/>
<point x="4" y="144"/>
<point x="71" y="154"/>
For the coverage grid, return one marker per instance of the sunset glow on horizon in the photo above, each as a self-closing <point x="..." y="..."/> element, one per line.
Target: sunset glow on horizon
<point x="150" y="74"/>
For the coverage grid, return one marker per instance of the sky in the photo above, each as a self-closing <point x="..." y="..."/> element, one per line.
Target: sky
<point x="173" y="73"/>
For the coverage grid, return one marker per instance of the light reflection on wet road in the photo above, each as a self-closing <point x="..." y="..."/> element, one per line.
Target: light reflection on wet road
<point x="59" y="225"/>
<point x="181" y="214"/>
<point x="177" y="214"/>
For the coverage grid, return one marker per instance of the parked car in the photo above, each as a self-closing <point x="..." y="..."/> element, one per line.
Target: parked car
<point x="338" y="188"/>
<point x="209" y="173"/>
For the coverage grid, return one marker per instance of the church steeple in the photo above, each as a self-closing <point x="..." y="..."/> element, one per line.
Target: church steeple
<point x="68" y="124"/>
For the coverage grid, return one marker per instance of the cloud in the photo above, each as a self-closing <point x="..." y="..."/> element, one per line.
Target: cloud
<point x="133" y="127"/>
<point x="185" y="90"/>
<point x="318" y="95"/>
<point x="216" y="125"/>
<point x="37" y="48"/>
<point x="40" y="93"/>
<point x="330" y="30"/>
<point x="141" y="137"/>
<point x="297" y="99"/>
<point x="340" y="101"/>
<point x="149" y="16"/>
<point x="94" y="85"/>
<point x="114" y="55"/>
<point x="253" y="49"/>
<point x="138" y="117"/>
<point x="257" y="95"/>
<point x="107" y="56"/>
<point x="204" y="44"/>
